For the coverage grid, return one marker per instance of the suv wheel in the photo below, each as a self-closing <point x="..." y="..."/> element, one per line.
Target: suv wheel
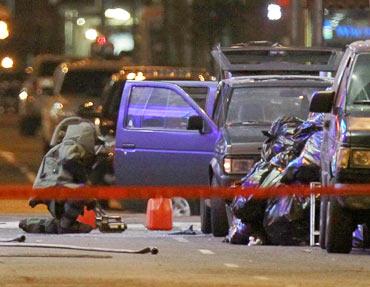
<point x="338" y="228"/>
<point x="205" y="217"/>
<point x="323" y="212"/>
<point x="219" y="222"/>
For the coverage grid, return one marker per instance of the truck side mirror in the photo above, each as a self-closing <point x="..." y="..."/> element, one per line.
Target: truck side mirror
<point x="322" y="102"/>
<point x="195" y="123"/>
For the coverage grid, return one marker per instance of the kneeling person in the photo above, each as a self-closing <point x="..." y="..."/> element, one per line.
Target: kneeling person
<point x="66" y="164"/>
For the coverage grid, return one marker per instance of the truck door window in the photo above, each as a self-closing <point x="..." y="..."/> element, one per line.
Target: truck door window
<point x="198" y="94"/>
<point x="158" y="108"/>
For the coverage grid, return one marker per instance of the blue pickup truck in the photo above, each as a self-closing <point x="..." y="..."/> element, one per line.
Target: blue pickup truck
<point x="164" y="138"/>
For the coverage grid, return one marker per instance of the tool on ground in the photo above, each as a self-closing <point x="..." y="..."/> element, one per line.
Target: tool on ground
<point x="109" y="223"/>
<point x="189" y="231"/>
<point x="20" y="238"/>
<point x="146" y="250"/>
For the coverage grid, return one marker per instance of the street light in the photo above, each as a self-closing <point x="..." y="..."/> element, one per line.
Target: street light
<point x="273" y="12"/>
<point x="4" y="31"/>
<point x="7" y="63"/>
<point x="117" y="14"/>
<point x="91" y="34"/>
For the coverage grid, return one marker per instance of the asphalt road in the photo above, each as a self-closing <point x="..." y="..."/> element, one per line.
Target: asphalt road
<point x="184" y="260"/>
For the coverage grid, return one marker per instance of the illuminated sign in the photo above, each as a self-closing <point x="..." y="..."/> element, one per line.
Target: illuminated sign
<point x="343" y="24"/>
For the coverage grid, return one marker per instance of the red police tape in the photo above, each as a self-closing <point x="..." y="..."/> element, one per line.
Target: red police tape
<point x="145" y="192"/>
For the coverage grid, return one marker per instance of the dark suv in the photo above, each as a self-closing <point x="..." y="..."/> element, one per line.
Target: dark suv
<point x="280" y="82"/>
<point x="346" y="147"/>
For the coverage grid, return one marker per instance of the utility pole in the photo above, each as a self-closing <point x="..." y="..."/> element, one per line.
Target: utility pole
<point x="317" y="22"/>
<point x="99" y="5"/>
<point x="297" y="30"/>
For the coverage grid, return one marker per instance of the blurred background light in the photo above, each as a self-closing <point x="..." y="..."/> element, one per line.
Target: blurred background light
<point x="91" y="34"/>
<point x="273" y="12"/>
<point x="117" y="14"/>
<point x="4" y="32"/>
<point x="7" y="63"/>
<point x="122" y="42"/>
<point x="81" y="21"/>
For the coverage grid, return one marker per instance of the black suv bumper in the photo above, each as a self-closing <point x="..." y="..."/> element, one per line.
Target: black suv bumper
<point x="353" y="176"/>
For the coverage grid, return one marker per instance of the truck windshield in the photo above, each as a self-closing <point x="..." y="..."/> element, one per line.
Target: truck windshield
<point x="358" y="101"/>
<point x="263" y="105"/>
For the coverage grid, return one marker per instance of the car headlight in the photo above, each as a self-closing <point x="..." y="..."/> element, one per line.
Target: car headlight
<point x="360" y="158"/>
<point x="237" y="165"/>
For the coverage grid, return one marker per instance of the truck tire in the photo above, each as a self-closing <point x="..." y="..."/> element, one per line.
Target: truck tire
<point x="339" y="228"/>
<point x="323" y="211"/>
<point x="205" y="217"/>
<point x="219" y="222"/>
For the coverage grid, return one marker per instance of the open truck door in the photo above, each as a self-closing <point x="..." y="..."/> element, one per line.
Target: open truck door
<point x="163" y="136"/>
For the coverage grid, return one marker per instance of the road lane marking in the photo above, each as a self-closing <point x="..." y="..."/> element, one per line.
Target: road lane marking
<point x="8" y="156"/>
<point x="231" y="265"/>
<point x="262" y="278"/>
<point x="206" y="251"/>
<point x="11" y="159"/>
<point x="29" y="174"/>
<point x="9" y="225"/>
<point x="180" y="239"/>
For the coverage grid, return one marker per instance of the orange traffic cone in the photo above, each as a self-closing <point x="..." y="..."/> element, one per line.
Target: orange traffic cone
<point x="159" y="214"/>
<point x="88" y="217"/>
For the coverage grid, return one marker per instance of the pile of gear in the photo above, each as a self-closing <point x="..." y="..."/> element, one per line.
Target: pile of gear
<point x="290" y="155"/>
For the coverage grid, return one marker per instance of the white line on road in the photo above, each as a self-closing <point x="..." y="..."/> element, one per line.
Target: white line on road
<point x="262" y="278"/>
<point x="11" y="159"/>
<point x="9" y="225"/>
<point x="231" y="265"/>
<point x="206" y="251"/>
<point x="180" y="239"/>
<point x="8" y="156"/>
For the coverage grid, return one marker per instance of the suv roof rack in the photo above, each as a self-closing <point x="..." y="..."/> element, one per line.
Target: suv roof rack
<point x="263" y="57"/>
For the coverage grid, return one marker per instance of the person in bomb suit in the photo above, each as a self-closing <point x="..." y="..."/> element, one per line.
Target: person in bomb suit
<point x="66" y="164"/>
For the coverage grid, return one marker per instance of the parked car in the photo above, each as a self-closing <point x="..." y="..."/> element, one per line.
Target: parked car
<point x="76" y="83"/>
<point x="39" y="82"/>
<point x="346" y="147"/>
<point x="280" y="81"/>
<point x="164" y="138"/>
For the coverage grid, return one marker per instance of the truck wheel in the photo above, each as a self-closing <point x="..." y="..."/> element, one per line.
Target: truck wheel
<point x="323" y="211"/>
<point x="180" y="207"/>
<point x="205" y="217"/>
<point x="219" y="222"/>
<point x="339" y="228"/>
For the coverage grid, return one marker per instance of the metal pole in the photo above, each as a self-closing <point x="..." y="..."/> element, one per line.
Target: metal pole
<point x="99" y="4"/>
<point x="296" y="23"/>
<point x="317" y="22"/>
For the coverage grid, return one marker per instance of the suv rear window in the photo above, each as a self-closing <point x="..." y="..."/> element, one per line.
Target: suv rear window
<point x="198" y="94"/>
